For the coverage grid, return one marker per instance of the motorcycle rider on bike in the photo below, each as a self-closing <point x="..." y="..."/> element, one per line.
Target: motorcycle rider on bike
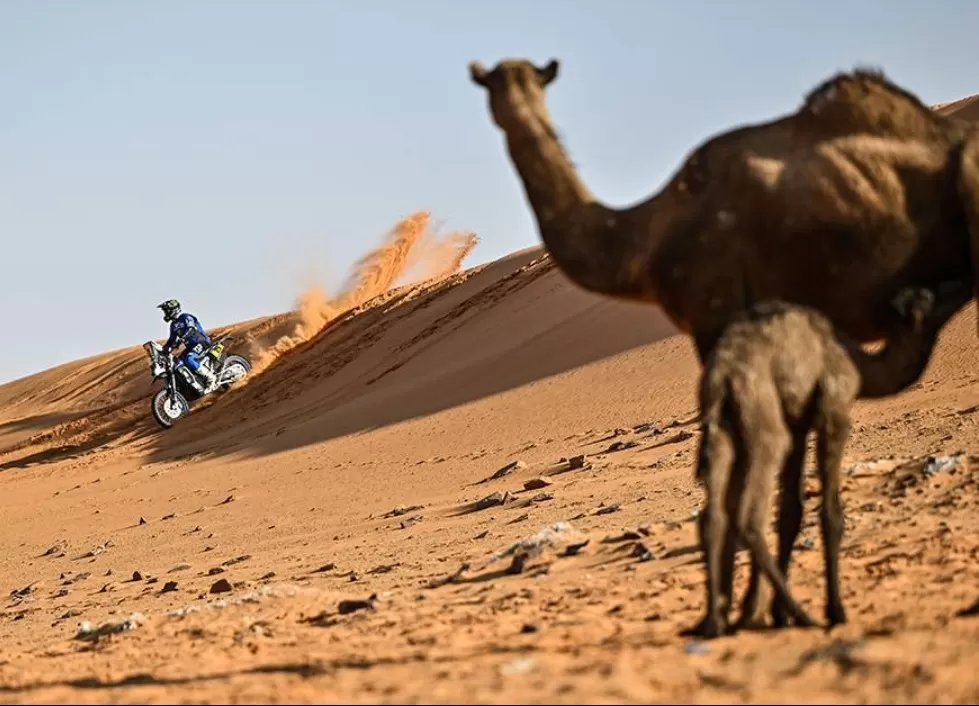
<point x="185" y="328"/>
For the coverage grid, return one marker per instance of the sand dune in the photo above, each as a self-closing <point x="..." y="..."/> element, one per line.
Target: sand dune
<point x="352" y="467"/>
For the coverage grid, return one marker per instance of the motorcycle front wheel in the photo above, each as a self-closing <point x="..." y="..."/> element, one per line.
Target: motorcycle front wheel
<point x="168" y="408"/>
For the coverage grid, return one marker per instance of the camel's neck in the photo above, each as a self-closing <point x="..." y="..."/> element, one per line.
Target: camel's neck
<point x="898" y="366"/>
<point x="598" y="248"/>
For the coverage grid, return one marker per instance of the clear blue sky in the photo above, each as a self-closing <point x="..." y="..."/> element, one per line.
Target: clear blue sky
<point x="220" y="152"/>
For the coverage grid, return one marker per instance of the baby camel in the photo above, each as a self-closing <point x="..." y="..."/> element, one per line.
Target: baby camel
<point x="776" y="373"/>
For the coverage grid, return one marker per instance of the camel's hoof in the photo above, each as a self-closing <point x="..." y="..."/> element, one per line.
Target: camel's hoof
<point x="835" y="615"/>
<point x="708" y="628"/>
<point x="751" y="622"/>
<point x="780" y="617"/>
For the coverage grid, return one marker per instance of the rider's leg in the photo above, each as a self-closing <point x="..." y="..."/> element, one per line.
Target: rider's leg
<point x="193" y="359"/>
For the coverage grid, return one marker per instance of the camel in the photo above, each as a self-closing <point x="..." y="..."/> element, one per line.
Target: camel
<point x="860" y="193"/>
<point x="777" y="372"/>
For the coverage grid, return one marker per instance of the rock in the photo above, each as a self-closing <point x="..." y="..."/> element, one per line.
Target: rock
<point x="142" y="521"/>
<point x="695" y="647"/>
<point x="608" y="509"/>
<point x="573" y="549"/>
<point x="137" y="576"/>
<point x="88" y="633"/>
<point x="169" y="517"/>
<point x="168" y="587"/>
<point x="330" y="566"/>
<point x="492" y="500"/>
<point x="221" y="586"/>
<point x="536" y="484"/>
<point x="229" y="499"/>
<point x="266" y="577"/>
<point x="409" y="521"/>
<point x="577" y="463"/>
<point x="214" y="571"/>
<point x="542" y="497"/>
<point x="349" y="606"/>
<point x="236" y="560"/>
<point x="384" y="568"/>
<point x="641" y="552"/>
<point x="507" y="470"/>
<point x="528" y="628"/>
<point x="621" y="446"/>
<point x="401" y="510"/>
<point x="179" y="567"/>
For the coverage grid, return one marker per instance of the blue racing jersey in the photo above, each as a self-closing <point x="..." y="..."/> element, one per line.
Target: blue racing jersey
<point x="186" y="329"/>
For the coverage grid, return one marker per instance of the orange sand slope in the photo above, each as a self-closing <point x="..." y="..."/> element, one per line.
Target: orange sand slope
<point x="220" y="557"/>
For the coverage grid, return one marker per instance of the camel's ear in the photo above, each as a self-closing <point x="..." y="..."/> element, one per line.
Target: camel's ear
<point x="548" y="73"/>
<point x="477" y="73"/>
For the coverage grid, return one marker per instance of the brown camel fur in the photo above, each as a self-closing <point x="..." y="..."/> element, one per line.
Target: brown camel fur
<point x="777" y="372"/>
<point x="860" y="193"/>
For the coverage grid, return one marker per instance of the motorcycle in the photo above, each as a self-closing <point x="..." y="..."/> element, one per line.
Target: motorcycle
<point x="182" y="385"/>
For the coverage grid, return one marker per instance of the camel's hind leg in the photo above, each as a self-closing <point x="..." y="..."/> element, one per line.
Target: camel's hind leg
<point x="767" y="443"/>
<point x="758" y="603"/>
<point x="715" y="461"/>
<point x="833" y="432"/>
<point x="791" y="506"/>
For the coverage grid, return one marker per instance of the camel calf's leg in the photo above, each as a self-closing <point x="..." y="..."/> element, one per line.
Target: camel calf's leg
<point x="714" y="464"/>
<point x="767" y="444"/>
<point x="833" y="431"/>
<point x="790" y="512"/>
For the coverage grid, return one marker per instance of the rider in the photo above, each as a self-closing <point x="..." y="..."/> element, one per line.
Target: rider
<point x="186" y="329"/>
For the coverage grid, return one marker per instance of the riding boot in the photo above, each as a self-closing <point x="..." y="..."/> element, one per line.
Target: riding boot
<point x="207" y="376"/>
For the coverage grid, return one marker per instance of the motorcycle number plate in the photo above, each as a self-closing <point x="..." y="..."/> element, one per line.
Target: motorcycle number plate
<point x="216" y="351"/>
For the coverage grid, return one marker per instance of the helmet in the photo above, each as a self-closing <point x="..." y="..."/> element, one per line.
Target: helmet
<point x="171" y="309"/>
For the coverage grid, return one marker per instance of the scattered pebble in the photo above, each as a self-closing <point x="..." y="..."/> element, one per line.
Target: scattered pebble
<point x="492" y="500"/>
<point x="168" y="587"/>
<point x="401" y="510"/>
<point x="536" y="484"/>
<point x="349" y="606"/>
<point x="621" y="446"/>
<point x="506" y="470"/>
<point x="221" y="586"/>
<point x="607" y="509"/>
<point x="88" y="633"/>
<point x="695" y="647"/>
<point x="236" y="560"/>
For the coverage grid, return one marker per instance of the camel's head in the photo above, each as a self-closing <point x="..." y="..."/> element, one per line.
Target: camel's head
<point x="516" y="90"/>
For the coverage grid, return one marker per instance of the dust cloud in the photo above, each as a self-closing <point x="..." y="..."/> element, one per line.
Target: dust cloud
<point x="413" y="251"/>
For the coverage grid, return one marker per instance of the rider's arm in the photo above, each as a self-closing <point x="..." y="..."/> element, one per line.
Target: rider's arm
<point x="173" y="340"/>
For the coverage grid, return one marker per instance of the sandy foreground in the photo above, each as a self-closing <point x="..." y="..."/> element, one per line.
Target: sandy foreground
<point x="294" y="541"/>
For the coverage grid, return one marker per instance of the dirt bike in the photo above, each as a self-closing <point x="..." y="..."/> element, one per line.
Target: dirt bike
<point x="182" y="385"/>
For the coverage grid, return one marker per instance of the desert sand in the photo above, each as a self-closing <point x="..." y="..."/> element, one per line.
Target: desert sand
<point x="336" y="530"/>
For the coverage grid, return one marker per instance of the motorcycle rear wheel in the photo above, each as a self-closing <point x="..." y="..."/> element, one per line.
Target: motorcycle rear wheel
<point x="167" y="408"/>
